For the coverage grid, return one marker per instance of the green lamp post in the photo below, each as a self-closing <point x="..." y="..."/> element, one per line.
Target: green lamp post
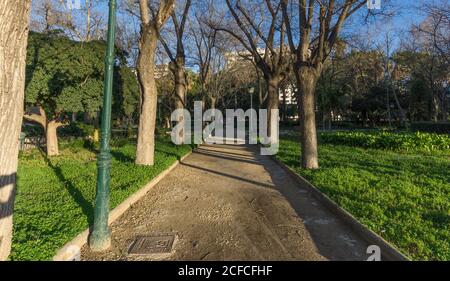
<point x="100" y="238"/>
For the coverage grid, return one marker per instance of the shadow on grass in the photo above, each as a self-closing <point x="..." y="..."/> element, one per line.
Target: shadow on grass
<point x="439" y="219"/>
<point x="86" y="206"/>
<point x="177" y="155"/>
<point x="120" y="156"/>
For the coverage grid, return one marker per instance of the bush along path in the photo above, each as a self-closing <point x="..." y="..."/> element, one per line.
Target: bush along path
<point x="402" y="142"/>
<point x="55" y="195"/>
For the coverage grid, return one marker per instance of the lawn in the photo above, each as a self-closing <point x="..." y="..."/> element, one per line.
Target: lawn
<point x="402" y="196"/>
<point x="55" y="196"/>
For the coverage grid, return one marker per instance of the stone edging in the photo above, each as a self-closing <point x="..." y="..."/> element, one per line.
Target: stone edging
<point x="388" y="251"/>
<point x="71" y="250"/>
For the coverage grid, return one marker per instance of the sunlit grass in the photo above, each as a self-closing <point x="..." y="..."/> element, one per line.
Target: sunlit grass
<point x="55" y="196"/>
<point x="404" y="197"/>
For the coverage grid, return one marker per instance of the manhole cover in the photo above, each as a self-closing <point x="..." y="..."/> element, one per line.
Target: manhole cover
<point x="144" y="245"/>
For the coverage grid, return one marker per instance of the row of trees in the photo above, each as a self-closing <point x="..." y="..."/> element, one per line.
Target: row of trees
<point x="278" y="37"/>
<point x="215" y="51"/>
<point x="275" y="35"/>
<point x="366" y="86"/>
<point x="369" y="89"/>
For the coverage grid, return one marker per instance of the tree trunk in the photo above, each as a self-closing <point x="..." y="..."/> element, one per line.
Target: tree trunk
<point x="283" y="115"/>
<point x="180" y="92"/>
<point x="14" y="20"/>
<point x="167" y="123"/>
<point x="145" y="149"/>
<point x="324" y="119"/>
<point x="50" y="129"/>
<point x="435" y="107"/>
<point x="388" y="107"/>
<point x="96" y="121"/>
<point x="307" y="80"/>
<point x="444" y="110"/>
<point x="129" y="123"/>
<point x="399" y="106"/>
<point x="86" y="118"/>
<point x="213" y="101"/>
<point x="52" y="138"/>
<point x="330" y="119"/>
<point x="203" y="108"/>
<point x="272" y="103"/>
<point x="262" y="97"/>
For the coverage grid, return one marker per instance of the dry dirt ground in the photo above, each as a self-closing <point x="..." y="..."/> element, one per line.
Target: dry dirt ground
<point x="226" y="202"/>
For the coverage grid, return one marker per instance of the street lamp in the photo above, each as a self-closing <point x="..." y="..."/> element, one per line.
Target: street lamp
<point x="100" y="238"/>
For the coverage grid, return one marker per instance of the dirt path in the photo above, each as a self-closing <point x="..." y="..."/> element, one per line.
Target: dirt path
<point x="226" y="202"/>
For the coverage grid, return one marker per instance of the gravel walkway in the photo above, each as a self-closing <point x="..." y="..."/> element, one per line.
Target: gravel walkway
<point x="226" y="202"/>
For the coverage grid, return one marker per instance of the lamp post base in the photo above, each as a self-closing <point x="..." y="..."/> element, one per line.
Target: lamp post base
<point x="99" y="242"/>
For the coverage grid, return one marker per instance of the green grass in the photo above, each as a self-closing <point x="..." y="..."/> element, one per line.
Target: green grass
<point x="397" y="141"/>
<point x="55" y="196"/>
<point x="404" y="197"/>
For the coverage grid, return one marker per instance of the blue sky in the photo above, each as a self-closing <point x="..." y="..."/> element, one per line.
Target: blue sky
<point x="404" y="17"/>
<point x="406" y="14"/>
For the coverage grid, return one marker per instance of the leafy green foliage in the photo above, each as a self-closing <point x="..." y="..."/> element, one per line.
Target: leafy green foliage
<point x="67" y="76"/>
<point x="424" y="142"/>
<point x="420" y="95"/>
<point x="126" y="94"/>
<point x="55" y="196"/>
<point x="369" y="89"/>
<point x="402" y="197"/>
<point x="63" y="75"/>
<point x="77" y="129"/>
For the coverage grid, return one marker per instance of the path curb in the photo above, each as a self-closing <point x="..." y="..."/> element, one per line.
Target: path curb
<point x="388" y="251"/>
<point x="70" y="251"/>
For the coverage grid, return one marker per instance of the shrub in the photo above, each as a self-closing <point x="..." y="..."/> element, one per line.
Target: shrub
<point x="86" y="129"/>
<point x="431" y="127"/>
<point x="288" y="124"/>
<point x="32" y="130"/>
<point x="388" y="140"/>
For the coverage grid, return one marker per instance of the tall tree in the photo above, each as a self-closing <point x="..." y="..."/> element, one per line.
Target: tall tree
<point x="126" y="96"/>
<point x="153" y="15"/>
<point x="436" y="26"/>
<point x="428" y="63"/>
<point x="204" y="41"/>
<point x="319" y="25"/>
<point x="431" y="38"/>
<point x="82" y="24"/>
<point x="259" y="28"/>
<point x="177" y="63"/>
<point x="62" y="76"/>
<point x="14" y="24"/>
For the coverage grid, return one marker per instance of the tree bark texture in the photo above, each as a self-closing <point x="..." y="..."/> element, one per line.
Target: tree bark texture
<point x="180" y="92"/>
<point x="14" y="22"/>
<point x="145" y="152"/>
<point x="307" y="81"/>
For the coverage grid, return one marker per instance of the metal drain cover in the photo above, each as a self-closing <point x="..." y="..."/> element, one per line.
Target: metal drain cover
<point x="144" y="245"/>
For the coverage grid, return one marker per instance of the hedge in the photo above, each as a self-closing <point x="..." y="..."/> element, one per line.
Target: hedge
<point x="431" y="127"/>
